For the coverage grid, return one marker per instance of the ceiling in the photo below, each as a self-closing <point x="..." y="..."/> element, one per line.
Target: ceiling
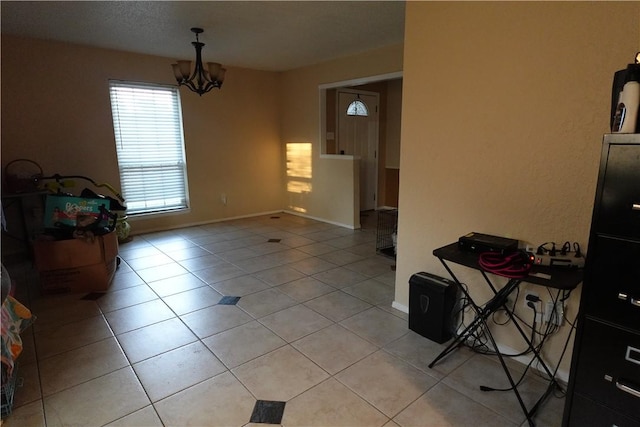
<point x="262" y="35"/>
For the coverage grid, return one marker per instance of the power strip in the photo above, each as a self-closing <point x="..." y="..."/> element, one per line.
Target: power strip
<point x="564" y="261"/>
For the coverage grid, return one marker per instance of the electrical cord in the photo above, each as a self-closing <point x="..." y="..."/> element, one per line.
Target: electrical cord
<point x="550" y="331"/>
<point x="517" y="266"/>
<point x="497" y="313"/>
<point x="564" y="249"/>
<point x="564" y="350"/>
<point x="576" y="249"/>
<point x="555" y="299"/>
<point x="524" y="373"/>
<point x="478" y="342"/>
<point x="504" y="310"/>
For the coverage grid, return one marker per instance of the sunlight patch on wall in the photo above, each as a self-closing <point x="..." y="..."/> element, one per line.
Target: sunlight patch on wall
<point x="299" y="174"/>
<point x="299" y="167"/>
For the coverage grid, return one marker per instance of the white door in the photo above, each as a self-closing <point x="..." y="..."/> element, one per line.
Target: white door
<point x="358" y="136"/>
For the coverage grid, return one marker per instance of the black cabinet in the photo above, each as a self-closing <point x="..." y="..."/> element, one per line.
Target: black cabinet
<point x="619" y="206"/>
<point x="604" y="383"/>
<point x="614" y="270"/>
<point x="609" y="367"/>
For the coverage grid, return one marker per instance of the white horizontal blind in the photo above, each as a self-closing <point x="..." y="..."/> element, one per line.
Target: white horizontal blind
<point x="147" y="121"/>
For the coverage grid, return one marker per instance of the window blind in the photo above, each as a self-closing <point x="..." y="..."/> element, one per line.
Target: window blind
<point x="147" y="121"/>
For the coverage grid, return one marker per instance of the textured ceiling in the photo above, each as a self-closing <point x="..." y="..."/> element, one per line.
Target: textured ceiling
<point x="263" y="35"/>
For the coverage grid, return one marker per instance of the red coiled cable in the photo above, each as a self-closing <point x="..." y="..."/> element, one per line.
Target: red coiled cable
<point x="514" y="265"/>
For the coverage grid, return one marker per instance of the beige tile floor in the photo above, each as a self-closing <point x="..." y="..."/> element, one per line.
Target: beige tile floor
<point x="313" y="327"/>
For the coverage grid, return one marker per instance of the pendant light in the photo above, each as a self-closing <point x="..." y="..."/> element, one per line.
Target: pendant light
<point x="201" y="80"/>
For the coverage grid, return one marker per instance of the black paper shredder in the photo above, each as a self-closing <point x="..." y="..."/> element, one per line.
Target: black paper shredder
<point x="432" y="300"/>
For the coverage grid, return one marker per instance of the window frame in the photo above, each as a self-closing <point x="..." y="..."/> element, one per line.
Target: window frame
<point x="178" y="160"/>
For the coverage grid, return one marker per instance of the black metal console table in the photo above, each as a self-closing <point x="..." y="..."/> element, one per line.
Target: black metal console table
<point x="559" y="279"/>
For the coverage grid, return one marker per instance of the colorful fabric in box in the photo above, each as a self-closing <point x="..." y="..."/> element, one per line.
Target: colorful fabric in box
<point x="15" y="319"/>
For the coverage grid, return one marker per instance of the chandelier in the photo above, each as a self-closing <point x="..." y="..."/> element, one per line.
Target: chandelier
<point x="201" y="80"/>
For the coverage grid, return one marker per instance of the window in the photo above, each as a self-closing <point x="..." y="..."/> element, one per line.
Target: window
<point x="357" y="108"/>
<point x="147" y="122"/>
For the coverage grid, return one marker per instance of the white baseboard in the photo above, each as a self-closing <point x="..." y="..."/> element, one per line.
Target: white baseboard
<point x="403" y="308"/>
<point x="339" y="224"/>
<point x="561" y="375"/>
<point x="195" y="224"/>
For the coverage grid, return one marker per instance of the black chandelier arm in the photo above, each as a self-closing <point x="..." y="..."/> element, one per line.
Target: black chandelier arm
<point x="200" y="81"/>
<point x="200" y="89"/>
<point x="198" y="70"/>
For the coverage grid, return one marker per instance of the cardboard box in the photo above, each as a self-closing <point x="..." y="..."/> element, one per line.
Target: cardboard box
<point x="76" y="265"/>
<point x="63" y="210"/>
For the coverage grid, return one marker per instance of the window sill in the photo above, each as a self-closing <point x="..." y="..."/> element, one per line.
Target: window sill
<point x="147" y="215"/>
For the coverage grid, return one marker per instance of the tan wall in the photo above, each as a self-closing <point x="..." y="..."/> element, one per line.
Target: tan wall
<point x="330" y="121"/>
<point x="332" y="192"/>
<point x="392" y="153"/>
<point x="392" y="186"/>
<point x="56" y="111"/>
<point x="394" y="118"/>
<point x="504" y="108"/>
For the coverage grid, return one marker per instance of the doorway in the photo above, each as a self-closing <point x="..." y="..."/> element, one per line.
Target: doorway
<point x="358" y="135"/>
<point x="389" y="89"/>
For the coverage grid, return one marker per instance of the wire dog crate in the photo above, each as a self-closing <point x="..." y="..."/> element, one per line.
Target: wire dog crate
<point x="8" y="389"/>
<point x="386" y="232"/>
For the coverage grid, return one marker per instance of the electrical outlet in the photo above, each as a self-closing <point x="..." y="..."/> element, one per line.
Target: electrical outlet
<point x="223" y="198"/>
<point x="559" y="317"/>
<point x="554" y="314"/>
<point x="548" y="309"/>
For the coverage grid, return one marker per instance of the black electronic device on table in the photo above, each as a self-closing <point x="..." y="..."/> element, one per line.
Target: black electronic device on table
<point x="479" y="242"/>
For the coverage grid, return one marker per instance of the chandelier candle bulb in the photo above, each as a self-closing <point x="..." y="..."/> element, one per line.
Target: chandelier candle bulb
<point x="185" y="68"/>
<point x="214" y="69"/>
<point x="221" y="74"/>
